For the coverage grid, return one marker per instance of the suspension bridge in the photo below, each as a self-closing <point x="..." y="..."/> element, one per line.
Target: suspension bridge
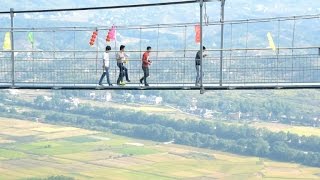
<point x="241" y="62"/>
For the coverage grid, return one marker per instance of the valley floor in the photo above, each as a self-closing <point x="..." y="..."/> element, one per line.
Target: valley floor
<point x="36" y="150"/>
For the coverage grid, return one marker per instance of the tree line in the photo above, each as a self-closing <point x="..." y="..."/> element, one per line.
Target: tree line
<point x="236" y="139"/>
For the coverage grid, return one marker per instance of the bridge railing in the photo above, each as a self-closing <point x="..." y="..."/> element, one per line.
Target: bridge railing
<point x="169" y="68"/>
<point x="61" y="56"/>
<point x="5" y="55"/>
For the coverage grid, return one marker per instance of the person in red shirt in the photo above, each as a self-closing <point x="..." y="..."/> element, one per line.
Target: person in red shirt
<point x="145" y="66"/>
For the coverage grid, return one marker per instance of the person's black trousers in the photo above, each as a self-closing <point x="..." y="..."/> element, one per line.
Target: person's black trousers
<point x="123" y="72"/>
<point x="145" y="75"/>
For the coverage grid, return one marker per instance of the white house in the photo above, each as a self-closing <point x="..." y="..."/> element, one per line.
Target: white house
<point x="158" y="100"/>
<point x="75" y="101"/>
<point x="208" y="114"/>
<point x="47" y="98"/>
<point x="108" y="97"/>
<point x="143" y="98"/>
<point x="92" y="95"/>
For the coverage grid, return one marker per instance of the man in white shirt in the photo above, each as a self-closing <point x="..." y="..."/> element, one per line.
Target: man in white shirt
<point x="121" y="59"/>
<point x="105" y="66"/>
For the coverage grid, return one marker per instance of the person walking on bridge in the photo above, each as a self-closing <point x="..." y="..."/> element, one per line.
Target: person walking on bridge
<point x="145" y="66"/>
<point x="198" y="64"/>
<point x="121" y="59"/>
<point x="105" y="66"/>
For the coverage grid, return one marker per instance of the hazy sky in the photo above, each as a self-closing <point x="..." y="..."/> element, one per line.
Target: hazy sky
<point x="267" y="6"/>
<point x="235" y="9"/>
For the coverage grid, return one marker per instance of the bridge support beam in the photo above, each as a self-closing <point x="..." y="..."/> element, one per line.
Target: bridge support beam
<point x="201" y="49"/>
<point x="221" y="41"/>
<point x="12" y="49"/>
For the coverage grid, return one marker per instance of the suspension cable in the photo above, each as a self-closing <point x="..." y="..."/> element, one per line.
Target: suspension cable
<point x="231" y="41"/>
<point x="97" y="53"/>
<point x="278" y="48"/>
<point x="157" y="55"/>
<point x="185" y="47"/>
<point x="206" y="17"/>
<point x="246" y="51"/>
<point x="292" y="45"/>
<point x="74" y="53"/>
<point x="101" y="8"/>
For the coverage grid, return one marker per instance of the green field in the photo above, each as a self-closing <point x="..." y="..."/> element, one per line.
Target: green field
<point x="10" y="154"/>
<point x="276" y="127"/>
<point x="84" y="154"/>
<point x="179" y="115"/>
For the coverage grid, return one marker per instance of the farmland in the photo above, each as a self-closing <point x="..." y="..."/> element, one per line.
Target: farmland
<point x="36" y="150"/>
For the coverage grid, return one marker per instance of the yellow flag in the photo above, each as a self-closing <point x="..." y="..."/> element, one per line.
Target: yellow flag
<point x="7" y="42"/>
<point x="271" y="42"/>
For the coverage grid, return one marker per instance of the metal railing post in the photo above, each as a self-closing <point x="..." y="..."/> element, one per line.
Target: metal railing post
<point x="201" y="48"/>
<point x="222" y="39"/>
<point x="12" y="49"/>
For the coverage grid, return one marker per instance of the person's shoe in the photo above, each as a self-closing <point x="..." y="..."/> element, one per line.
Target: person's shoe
<point x="110" y="85"/>
<point x="141" y="81"/>
<point x="146" y="85"/>
<point x="100" y="84"/>
<point x="128" y="80"/>
<point x="122" y="83"/>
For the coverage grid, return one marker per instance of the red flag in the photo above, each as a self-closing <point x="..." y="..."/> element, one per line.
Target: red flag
<point x="197" y="28"/>
<point x="111" y="34"/>
<point x="93" y="38"/>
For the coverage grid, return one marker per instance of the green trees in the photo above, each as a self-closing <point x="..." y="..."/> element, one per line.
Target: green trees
<point x="204" y="134"/>
<point x="39" y="101"/>
<point x="55" y="102"/>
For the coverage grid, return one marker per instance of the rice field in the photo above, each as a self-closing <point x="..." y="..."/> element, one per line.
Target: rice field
<point x="97" y="155"/>
<point x="300" y="130"/>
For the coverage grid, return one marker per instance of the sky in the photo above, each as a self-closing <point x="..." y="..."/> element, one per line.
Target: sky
<point x="234" y="8"/>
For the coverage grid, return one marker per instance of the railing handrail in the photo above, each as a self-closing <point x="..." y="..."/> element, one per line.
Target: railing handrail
<point x="177" y="50"/>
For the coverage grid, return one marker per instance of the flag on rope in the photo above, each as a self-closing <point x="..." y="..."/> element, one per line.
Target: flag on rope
<point x="93" y="38"/>
<point x="111" y="34"/>
<point x="7" y="42"/>
<point x="30" y="37"/>
<point x="197" y="29"/>
<point x="271" y="42"/>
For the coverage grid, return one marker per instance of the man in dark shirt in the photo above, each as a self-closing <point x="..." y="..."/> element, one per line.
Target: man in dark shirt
<point x="198" y="64"/>
<point x="145" y="66"/>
